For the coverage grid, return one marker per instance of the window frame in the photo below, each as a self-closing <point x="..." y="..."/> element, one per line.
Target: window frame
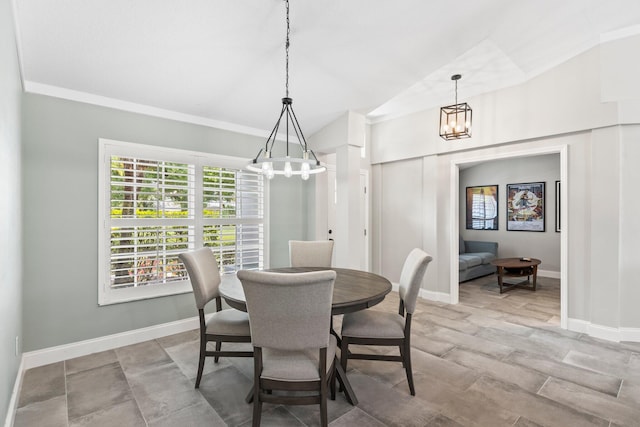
<point x="108" y="147"/>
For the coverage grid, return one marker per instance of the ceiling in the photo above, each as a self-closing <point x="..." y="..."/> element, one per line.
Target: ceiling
<point x="223" y="60"/>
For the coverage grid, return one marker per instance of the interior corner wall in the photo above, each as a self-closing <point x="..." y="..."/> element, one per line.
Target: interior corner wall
<point x="10" y="209"/>
<point x="60" y="192"/>
<point x="629" y="227"/>
<point x="544" y="245"/>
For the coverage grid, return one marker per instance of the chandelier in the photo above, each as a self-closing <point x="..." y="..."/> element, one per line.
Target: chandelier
<point x="455" y="120"/>
<point x="306" y="163"/>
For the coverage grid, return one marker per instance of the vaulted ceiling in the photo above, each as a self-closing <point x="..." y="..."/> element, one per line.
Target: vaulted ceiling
<point x="223" y="60"/>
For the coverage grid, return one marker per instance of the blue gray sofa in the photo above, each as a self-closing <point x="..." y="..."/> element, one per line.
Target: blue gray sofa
<point x="475" y="259"/>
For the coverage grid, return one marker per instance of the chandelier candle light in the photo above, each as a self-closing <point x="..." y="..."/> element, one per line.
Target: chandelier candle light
<point x="455" y="120"/>
<point x="304" y="165"/>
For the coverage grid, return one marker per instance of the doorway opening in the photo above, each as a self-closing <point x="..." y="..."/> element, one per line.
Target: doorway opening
<point x="478" y="157"/>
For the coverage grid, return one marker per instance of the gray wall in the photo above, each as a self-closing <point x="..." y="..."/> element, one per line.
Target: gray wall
<point x="10" y="248"/>
<point x="60" y="162"/>
<point x="542" y="245"/>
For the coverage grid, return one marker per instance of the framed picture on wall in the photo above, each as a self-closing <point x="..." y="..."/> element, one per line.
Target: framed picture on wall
<point x="482" y="207"/>
<point x="525" y="207"/>
<point x="558" y="211"/>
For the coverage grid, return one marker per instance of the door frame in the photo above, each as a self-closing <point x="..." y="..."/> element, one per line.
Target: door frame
<point x="564" y="226"/>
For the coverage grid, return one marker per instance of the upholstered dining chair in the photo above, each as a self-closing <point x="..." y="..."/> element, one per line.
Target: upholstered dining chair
<point x="315" y="253"/>
<point x="370" y="327"/>
<point x="294" y="354"/>
<point x="227" y="325"/>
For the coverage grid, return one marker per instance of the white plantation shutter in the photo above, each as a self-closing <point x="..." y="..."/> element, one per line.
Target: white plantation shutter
<point x="233" y="217"/>
<point x="157" y="203"/>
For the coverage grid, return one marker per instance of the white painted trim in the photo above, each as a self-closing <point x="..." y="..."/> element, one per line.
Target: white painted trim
<point x="549" y="274"/>
<point x="13" y="403"/>
<point x="620" y="34"/>
<point x="564" y="240"/>
<point x="427" y="294"/>
<point x="630" y="334"/>
<point x="118" y="104"/>
<point x="578" y="325"/>
<point x="435" y="296"/>
<point x="454" y="234"/>
<point x="59" y="353"/>
<point x="604" y="332"/>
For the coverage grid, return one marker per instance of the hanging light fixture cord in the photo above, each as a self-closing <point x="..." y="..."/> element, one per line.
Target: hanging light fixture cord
<point x="286" y="49"/>
<point x="272" y="165"/>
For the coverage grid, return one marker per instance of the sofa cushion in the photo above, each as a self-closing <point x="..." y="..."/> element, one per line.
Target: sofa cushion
<point x="468" y="260"/>
<point x="486" y="257"/>
<point x="461" y="246"/>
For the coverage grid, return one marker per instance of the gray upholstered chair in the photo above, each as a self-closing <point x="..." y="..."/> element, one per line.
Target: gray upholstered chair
<point x="315" y="253"/>
<point x="370" y="327"/>
<point x="294" y="354"/>
<point x="228" y="325"/>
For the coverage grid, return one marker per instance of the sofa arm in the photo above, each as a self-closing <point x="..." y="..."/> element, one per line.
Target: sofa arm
<point x="474" y="246"/>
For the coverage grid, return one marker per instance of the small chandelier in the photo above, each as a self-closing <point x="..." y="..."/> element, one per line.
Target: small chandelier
<point x="455" y="120"/>
<point x="306" y="163"/>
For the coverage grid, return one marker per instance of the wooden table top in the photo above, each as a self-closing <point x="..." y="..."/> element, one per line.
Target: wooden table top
<point x="515" y="262"/>
<point x="353" y="290"/>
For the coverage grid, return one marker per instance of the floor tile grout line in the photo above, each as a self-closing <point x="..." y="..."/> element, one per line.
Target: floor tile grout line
<point x="66" y="390"/>
<point x="543" y="384"/>
<point x="135" y="399"/>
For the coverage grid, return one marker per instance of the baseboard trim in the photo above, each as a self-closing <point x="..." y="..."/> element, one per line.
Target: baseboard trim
<point x="435" y="296"/>
<point x="59" y="353"/>
<point x="604" y="332"/>
<point x="630" y="334"/>
<point x="13" y="402"/>
<point x="549" y="274"/>
<point x="577" y="325"/>
<point x="428" y="295"/>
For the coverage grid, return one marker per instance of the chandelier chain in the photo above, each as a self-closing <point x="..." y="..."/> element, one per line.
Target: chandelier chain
<point x="456" y="92"/>
<point x="287" y="53"/>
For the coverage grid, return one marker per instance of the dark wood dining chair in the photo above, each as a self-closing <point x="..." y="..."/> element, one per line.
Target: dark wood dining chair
<point x="377" y="328"/>
<point x="294" y="354"/>
<point x="229" y="325"/>
<point x="314" y="253"/>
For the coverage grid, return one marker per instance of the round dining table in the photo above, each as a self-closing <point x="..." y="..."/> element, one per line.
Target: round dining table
<point x="353" y="290"/>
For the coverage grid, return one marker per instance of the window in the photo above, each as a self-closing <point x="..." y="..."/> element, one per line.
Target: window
<point x="156" y="203"/>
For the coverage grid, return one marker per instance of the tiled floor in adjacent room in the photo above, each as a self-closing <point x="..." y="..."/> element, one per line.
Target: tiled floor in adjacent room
<point x="492" y="360"/>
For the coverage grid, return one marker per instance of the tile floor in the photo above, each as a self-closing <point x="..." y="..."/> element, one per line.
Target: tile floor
<point x="492" y="360"/>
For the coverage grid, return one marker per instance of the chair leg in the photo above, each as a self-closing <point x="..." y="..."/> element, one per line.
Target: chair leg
<point x="257" y="411"/>
<point x="323" y="404"/>
<point x="344" y="353"/>
<point x="332" y="379"/>
<point x="218" y="347"/>
<point x="203" y="349"/>
<point x="406" y="361"/>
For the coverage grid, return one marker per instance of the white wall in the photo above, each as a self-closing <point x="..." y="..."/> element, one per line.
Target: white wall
<point x="563" y="107"/>
<point x="10" y="208"/>
<point x="542" y="245"/>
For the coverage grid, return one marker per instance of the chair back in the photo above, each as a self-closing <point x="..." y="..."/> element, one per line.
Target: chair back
<point x="411" y="277"/>
<point x="202" y="268"/>
<point x="316" y="253"/>
<point x="289" y="311"/>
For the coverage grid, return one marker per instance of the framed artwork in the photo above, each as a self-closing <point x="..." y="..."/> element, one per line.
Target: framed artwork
<point x="525" y="207"/>
<point x="558" y="211"/>
<point x="482" y="207"/>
